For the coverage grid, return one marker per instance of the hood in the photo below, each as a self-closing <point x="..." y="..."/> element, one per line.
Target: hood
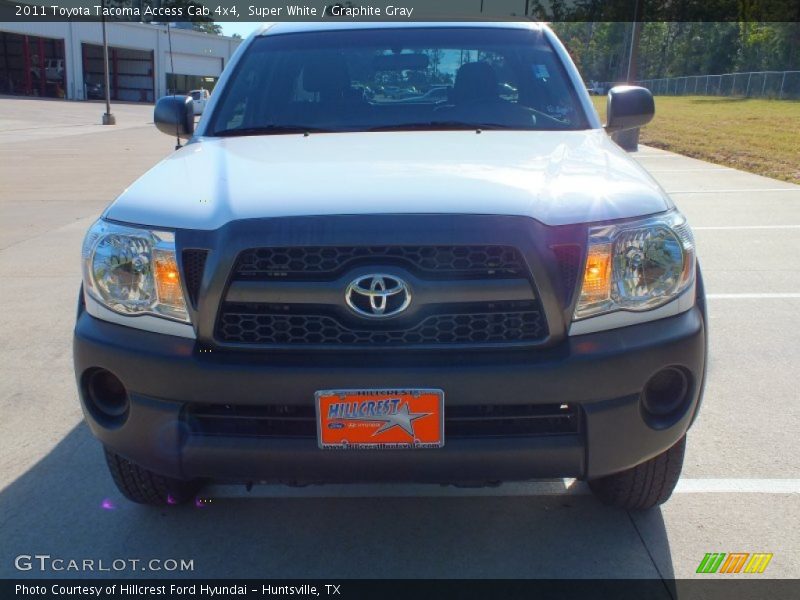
<point x="558" y="178"/>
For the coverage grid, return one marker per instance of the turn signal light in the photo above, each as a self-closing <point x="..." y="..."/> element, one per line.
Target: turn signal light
<point x="597" y="276"/>
<point x="168" y="279"/>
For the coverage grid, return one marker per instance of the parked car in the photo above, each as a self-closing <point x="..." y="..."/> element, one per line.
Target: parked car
<point x="95" y="91"/>
<point x="333" y="290"/>
<point x="199" y="100"/>
<point x="433" y="95"/>
<point x="53" y="68"/>
<point x="391" y="91"/>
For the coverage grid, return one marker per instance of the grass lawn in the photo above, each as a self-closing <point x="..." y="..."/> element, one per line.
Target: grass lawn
<point x="760" y="136"/>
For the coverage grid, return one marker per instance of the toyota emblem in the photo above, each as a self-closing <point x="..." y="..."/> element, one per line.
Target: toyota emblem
<point x="378" y="296"/>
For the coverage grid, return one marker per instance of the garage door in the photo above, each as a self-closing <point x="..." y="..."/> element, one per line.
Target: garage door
<point x="130" y="73"/>
<point x="31" y="65"/>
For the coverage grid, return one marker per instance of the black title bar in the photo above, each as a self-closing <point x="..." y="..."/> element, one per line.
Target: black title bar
<point x="401" y="10"/>
<point x="712" y="588"/>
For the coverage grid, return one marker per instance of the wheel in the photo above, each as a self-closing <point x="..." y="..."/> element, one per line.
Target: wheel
<point x="145" y="487"/>
<point x="645" y="485"/>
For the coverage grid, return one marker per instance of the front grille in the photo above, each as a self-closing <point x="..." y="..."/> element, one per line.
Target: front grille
<point x="471" y="421"/>
<point x="511" y="420"/>
<point x="294" y="297"/>
<point x="315" y="261"/>
<point x="282" y="421"/>
<point x="239" y="325"/>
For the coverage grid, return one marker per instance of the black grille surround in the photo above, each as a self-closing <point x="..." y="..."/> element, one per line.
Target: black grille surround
<point x="296" y="324"/>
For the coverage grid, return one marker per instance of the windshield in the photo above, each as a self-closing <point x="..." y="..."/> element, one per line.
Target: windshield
<point x="398" y="79"/>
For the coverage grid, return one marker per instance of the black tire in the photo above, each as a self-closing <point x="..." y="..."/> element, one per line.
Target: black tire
<point x="644" y="486"/>
<point x="139" y="485"/>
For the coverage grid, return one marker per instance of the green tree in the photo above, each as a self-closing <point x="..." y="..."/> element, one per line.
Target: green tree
<point x="207" y="27"/>
<point x="674" y="48"/>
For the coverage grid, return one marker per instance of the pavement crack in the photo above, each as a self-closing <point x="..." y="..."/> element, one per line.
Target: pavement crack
<point x="650" y="554"/>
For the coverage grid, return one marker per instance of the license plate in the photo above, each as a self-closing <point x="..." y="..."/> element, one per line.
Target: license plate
<point x="380" y="419"/>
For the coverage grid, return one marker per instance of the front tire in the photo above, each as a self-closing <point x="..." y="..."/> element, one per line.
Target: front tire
<point x="142" y="486"/>
<point x="644" y="486"/>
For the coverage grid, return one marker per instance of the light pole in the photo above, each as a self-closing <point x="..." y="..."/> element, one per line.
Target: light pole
<point x="108" y="118"/>
<point x="633" y="55"/>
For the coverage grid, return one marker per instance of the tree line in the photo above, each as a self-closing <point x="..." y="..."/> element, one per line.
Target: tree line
<point x="672" y="49"/>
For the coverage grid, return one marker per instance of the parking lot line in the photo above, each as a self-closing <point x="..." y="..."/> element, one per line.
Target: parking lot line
<point x="691" y="170"/>
<point x="738" y="486"/>
<point x="739" y="191"/>
<point x="751" y="296"/>
<point x="743" y="227"/>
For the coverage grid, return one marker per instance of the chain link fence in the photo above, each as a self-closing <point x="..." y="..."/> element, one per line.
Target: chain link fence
<point x="781" y="85"/>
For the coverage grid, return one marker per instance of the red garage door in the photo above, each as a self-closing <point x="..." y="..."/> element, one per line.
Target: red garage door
<point x="32" y="65"/>
<point x="130" y="72"/>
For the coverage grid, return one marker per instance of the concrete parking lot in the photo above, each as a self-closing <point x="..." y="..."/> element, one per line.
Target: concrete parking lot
<point x="741" y="486"/>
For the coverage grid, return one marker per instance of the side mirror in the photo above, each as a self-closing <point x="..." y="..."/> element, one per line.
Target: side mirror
<point x="629" y="107"/>
<point x="174" y="115"/>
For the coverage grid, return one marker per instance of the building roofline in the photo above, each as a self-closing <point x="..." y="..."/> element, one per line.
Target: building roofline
<point x="175" y="30"/>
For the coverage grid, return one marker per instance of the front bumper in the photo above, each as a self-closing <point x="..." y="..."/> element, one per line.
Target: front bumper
<point x="602" y="373"/>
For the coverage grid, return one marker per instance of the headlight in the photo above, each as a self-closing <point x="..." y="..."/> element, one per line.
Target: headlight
<point x="637" y="265"/>
<point x="133" y="271"/>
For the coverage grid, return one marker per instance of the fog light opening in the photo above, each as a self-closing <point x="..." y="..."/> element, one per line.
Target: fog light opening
<point x="106" y="394"/>
<point x="666" y="393"/>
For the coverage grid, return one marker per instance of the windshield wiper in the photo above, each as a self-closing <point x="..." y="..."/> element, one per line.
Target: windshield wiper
<point x="439" y="125"/>
<point x="269" y="130"/>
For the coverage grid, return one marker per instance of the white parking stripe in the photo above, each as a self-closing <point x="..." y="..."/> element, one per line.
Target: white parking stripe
<point x="739" y="191"/>
<point x="557" y="487"/>
<point x="689" y="170"/>
<point x="744" y="227"/>
<point x="738" y="486"/>
<point x="751" y="296"/>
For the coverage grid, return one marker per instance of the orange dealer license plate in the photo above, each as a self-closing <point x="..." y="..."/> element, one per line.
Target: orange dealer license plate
<point x="380" y="419"/>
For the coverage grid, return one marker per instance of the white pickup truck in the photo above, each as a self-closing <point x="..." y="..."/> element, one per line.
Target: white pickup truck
<point x="199" y="101"/>
<point x="323" y="285"/>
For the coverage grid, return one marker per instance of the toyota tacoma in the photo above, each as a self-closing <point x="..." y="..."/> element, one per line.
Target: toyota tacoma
<point x="465" y="282"/>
